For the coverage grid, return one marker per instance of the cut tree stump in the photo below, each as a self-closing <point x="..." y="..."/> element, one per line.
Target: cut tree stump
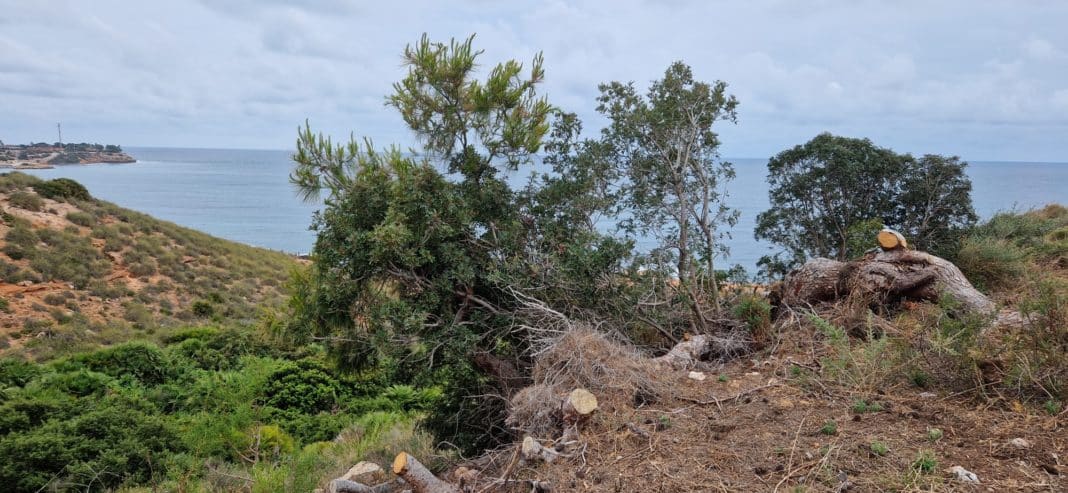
<point x="891" y="240"/>
<point x="889" y="274"/>
<point x="578" y="406"/>
<point x="418" y="477"/>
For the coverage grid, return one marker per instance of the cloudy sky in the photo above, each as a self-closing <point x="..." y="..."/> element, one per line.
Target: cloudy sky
<point x="985" y="80"/>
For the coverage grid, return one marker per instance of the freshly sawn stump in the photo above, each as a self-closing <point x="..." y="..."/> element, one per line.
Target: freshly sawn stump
<point x="418" y="477"/>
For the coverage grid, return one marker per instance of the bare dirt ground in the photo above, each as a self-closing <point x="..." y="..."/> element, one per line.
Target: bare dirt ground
<point x="761" y="424"/>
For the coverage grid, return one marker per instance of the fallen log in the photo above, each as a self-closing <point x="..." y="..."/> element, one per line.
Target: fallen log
<point x="418" y="477"/>
<point x="684" y="354"/>
<point x="887" y="275"/>
<point x="347" y="486"/>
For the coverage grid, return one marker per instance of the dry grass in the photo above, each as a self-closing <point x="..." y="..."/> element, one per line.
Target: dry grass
<point x="587" y="358"/>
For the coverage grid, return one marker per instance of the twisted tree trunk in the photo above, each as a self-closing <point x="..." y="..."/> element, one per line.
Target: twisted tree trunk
<point x="895" y="273"/>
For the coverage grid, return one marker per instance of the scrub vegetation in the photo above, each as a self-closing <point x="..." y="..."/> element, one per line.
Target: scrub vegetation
<point x="445" y="314"/>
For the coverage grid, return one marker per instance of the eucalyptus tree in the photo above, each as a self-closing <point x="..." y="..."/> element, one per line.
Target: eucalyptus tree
<point x="674" y="179"/>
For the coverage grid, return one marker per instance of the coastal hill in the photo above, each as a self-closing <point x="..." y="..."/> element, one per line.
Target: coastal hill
<point x="78" y="271"/>
<point x="835" y="398"/>
<point x="42" y="155"/>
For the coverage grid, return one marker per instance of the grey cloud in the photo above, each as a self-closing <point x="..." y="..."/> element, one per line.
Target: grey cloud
<point x="984" y="79"/>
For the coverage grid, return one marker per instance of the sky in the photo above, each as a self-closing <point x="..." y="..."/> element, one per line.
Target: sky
<point x="981" y="79"/>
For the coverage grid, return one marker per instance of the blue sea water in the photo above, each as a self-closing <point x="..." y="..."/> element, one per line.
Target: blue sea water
<point x="245" y="195"/>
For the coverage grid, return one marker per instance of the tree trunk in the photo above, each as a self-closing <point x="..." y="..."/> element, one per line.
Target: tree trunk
<point x="418" y="477"/>
<point x="892" y="274"/>
<point x="686" y="353"/>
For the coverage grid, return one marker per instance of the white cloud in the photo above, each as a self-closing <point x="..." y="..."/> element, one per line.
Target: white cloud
<point x="245" y="73"/>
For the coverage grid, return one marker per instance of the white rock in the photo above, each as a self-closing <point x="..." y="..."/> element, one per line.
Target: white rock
<point x="1020" y="443"/>
<point x="964" y="474"/>
<point x="365" y="472"/>
<point x="928" y="395"/>
<point x="697" y="375"/>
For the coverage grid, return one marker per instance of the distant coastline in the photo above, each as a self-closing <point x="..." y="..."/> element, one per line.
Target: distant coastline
<point x="44" y="156"/>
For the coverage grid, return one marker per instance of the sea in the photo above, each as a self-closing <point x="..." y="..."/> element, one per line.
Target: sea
<point x="246" y="196"/>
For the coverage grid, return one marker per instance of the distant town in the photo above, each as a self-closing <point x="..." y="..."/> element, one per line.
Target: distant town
<point x="44" y="155"/>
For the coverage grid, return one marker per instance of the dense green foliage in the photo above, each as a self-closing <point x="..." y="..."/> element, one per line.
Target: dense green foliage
<point x="427" y="273"/>
<point x="62" y="189"/>
<point x="673" y="180"/>
<point x="139" y="413"/>
<point x="412" y="268"/>
<point x="821" y="191"/>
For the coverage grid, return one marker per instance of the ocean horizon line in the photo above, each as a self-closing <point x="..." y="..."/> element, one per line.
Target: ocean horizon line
<point x="730" y="158"/>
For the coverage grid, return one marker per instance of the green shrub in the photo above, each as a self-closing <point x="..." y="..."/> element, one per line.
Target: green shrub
<point x="78" y="383"/>
<point x="143" y="269"/>
<point x="121" y="438"/>
<point x="26" y="200"/>
<point x="62" y="188"/>
<point x="861" y="406"/>
<point x="203" y="308"/>
<point x="54" y="299"/>
<point x="142" y="361"/>
<point x="139" y="315"/>
<point x="16" y="181"/>
<point x="934" y="434"/>
<point x="306" y="387"/>
<point x="755" y="311"/>
<point x="81" y="218"/>
<point x="17" y="373"/>
<point x="199" y="333"/>
<point x="991" y="263"/>
<point x="925" y="462"/>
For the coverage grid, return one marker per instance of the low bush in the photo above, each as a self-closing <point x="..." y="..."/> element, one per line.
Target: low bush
<point x="755" y="312"/>
<point x="26" y="200"/>
<point x="81" y="218"/>
<point x="141" y="361"/>
<point x="62" y="189"/>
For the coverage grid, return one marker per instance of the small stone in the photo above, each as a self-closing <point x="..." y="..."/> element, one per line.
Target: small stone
<point x="928" y="395"/>
<point x="1020" y="443"/>
<point x="366" y="473"/>
<point x="964" y="474"/>
<point x="697" y="375"/>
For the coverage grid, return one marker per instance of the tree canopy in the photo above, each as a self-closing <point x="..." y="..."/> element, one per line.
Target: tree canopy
<point x="668" y="152"/>
<point x="415" y="269"/>
<point x="825" y="191"/>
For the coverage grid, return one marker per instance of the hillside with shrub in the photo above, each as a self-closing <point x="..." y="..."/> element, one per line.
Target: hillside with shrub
<point x="79" y="272"/>
<point x="488" y="338"/>
<point x="140" y="354"/>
